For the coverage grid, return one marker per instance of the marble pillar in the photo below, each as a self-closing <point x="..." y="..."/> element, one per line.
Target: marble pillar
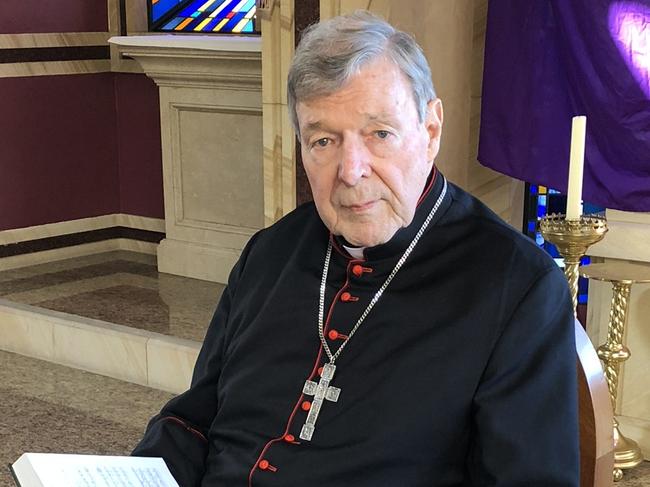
<point x="211" y="127"/>
<point x="278" y="136"/>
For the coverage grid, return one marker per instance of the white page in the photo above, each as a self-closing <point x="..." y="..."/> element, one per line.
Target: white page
<point x="58" y="470"/>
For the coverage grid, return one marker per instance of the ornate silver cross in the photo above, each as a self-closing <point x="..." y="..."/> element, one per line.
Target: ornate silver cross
<point x="320" y="391"/>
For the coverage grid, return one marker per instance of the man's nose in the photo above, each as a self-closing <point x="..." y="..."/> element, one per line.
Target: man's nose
<point x="355" y="162"/>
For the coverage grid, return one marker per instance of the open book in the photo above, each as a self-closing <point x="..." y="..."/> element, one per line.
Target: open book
<point x="59" y="470"/>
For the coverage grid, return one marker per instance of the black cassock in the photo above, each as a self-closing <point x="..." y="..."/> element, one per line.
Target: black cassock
<point x="462" y="374"/>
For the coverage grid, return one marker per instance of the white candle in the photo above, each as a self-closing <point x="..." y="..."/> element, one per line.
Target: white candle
<point x="576" y="166"/>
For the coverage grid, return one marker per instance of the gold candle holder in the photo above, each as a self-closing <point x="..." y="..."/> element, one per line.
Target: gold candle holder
<point x="614" y="352"/>
<point x="572" y="239"/>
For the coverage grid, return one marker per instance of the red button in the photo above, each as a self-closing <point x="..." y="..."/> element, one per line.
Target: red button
<point x="306" y="406"/>
<point x="264" y="464"/>
<point x="289" y="438"/>
<point x="333" y="334"/>
<point x="357" y="270"/>
<point x="346" y="296"/>
<point x="320" y="370"/>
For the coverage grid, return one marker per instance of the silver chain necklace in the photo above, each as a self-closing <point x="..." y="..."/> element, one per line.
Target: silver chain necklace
<point x="322" y="390"/>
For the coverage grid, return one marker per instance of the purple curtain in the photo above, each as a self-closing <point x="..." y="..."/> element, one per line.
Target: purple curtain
<point x="548" y="60"/>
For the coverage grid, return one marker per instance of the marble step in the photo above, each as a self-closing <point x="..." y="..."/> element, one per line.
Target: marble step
<point x="112" y="314"/>
<point x="51" y="408"/>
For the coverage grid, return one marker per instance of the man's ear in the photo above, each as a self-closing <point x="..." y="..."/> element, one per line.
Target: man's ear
<point x="433" y="125"/>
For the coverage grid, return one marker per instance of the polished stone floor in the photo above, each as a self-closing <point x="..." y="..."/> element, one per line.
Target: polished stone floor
<point x="50" y="408"/>
<point x="119" y="287"/>
<point x="638" y="477"/>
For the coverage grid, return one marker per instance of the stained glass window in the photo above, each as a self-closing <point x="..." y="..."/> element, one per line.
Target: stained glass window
<point x="541" y="201"/>
<point x="204" y="16"/>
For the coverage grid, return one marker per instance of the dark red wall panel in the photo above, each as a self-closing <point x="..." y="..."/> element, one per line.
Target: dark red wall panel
<point x="58" y="149"/>
<point x="139" y="147"/>
<point x="23" y="16"/>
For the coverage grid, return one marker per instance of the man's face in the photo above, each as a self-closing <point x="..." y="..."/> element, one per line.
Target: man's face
<point x="367" y="155"/>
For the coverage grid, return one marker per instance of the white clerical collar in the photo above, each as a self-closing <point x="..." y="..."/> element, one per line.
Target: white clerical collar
<point x="356" y="252"/>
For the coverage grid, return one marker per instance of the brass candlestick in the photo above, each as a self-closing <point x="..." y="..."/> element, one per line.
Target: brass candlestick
<point x="572" y="239"/>
<point x="613" y="352"/>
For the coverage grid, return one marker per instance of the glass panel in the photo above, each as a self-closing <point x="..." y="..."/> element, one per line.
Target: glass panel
<point x="159" y="8"/>
<point x="171" y="25"/>
<point x="222" y="16"/>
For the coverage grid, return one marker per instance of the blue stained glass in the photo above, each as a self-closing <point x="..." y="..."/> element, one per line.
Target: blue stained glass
<point x="172" y="25"/>
<point x="541" y="205"/>
<point x="193" y="9"/>
<point x="531" y="226"/>
<point x="192" y="24"/>
<point x="214" y="6"/>
<point x="533" y="189"/>
<point x="211" y="25"/>
<point x="552" y="250"/>
<point x="583" y="284"/>
<point x="583" y="290"/>
<point x="232" y="23"/>
<point x="160" y="8"/>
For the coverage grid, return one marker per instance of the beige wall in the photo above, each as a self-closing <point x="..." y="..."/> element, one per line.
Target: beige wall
<point x="136" y="16"/>
<point x="278" y="137"/>
<point x="136" y="23"/>
<point x="452" y="34"/>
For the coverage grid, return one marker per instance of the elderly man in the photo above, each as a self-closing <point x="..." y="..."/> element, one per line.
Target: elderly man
<point x="394" y="332"/>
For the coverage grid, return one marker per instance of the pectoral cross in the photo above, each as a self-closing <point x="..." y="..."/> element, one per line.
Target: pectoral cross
<point x="321" y="391"/>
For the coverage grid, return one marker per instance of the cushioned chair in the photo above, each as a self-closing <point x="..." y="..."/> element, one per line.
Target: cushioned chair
<point x="595" y="409"/>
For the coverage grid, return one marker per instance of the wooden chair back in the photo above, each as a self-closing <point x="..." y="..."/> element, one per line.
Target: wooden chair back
<point x="595" y="411"/>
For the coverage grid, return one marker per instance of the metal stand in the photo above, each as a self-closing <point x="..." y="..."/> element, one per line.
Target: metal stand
<point x="572" y="239"/>
<point x="613" y="352"/>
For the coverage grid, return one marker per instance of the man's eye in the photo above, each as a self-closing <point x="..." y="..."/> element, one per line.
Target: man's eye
<point x="382" y="134"/>
<point x="322" y="142"/>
